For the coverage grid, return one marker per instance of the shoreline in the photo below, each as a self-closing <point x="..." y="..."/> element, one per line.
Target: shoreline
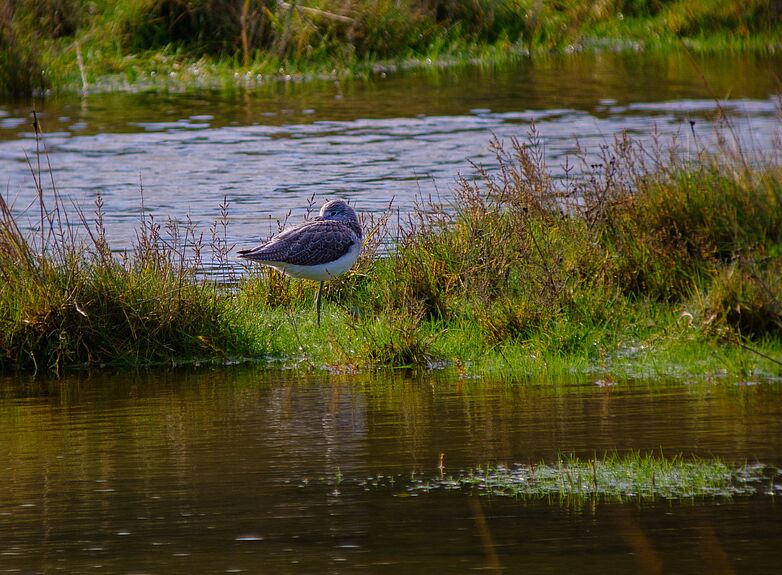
<point x="674" y="273"/>
<point x="81" y="47"/>
<point x="170" y="73"/>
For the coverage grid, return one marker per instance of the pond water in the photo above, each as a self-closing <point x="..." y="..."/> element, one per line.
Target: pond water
<point x="240" y="469"/>
<point x="388" y="138"/>
<point x="244" y="470"/>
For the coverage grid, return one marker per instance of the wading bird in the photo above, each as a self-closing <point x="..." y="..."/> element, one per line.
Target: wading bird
<point x="319" y="249"/>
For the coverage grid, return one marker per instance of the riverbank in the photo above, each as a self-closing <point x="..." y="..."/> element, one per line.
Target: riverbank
<point x="69" y="45"/>
<point x="640" y="263"/>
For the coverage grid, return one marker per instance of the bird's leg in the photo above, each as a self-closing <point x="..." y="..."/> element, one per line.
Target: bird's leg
<point x="317" y="301"/>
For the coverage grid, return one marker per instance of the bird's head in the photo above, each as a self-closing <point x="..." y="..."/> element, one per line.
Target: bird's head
<point x="338" y="210"/>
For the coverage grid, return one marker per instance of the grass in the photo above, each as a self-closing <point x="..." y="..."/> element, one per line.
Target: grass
<point x="613" y="477"/>
<point x="638" y="262"/>
<point x="621" y="254"/>
<point x="67" y="299"/>
<point x="572" y="480"/>
<point x="74" y="44"/>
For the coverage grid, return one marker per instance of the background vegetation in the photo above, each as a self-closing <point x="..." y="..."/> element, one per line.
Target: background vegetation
<point x="78" y="43"/>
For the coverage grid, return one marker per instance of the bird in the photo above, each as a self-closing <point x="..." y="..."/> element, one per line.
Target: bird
<point x="319" y="249"/>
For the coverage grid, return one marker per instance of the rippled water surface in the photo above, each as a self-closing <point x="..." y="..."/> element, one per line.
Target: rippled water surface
<point x="245" y="470"/>
<point x="395" y="137"/>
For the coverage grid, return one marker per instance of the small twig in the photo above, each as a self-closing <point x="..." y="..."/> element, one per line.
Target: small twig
<point x="316" y="12"/>
<point x="245" y="42"/>
<point x="760" y="353"/>
<point x="85" y="86"/>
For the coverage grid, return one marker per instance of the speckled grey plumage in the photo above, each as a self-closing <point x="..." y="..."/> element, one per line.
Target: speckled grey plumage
<point x="321" y="240"/>
<point x="321" y="249"/>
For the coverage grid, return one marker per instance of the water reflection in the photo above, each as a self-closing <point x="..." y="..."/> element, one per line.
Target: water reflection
<point x="242" y="468"/>
<point x="370" y="141"/>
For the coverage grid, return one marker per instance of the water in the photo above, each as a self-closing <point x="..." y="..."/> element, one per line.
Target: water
<point x="388" y="138"/>
<point x="245" y="470"/>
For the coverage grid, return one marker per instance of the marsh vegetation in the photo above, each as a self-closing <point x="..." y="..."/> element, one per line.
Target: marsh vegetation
<point x="639" y="258"/>
<point x="612" y="477"/>
<point x="74" y="44"/>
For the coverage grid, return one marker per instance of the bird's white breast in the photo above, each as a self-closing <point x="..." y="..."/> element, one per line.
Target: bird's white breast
<point x="321" y="272"/>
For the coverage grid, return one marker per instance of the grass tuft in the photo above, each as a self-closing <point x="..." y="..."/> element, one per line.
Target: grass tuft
<point x="636" y="260"/>
<point x="612" y="477"/>
<point x="68" y="300"/>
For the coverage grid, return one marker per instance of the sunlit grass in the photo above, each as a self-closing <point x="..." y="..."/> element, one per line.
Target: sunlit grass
<point x="639" y="264"/>
<point x="611" y="477"/>
<point x="67" y="300"/>
<point x="141" y="44"/>
<point x="573" y="480"/>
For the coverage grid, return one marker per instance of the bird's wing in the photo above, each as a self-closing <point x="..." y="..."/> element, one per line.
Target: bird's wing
<point x="313" y="243"/>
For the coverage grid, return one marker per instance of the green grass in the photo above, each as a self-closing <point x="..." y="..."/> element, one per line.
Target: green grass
<point x="572" y="480"/>
<point x="613" y="477"/>
<point x="672" y="267"/>
<point x="75" y="44"/>
<point x="637" y="265"/>
<point x="67" y="300"/>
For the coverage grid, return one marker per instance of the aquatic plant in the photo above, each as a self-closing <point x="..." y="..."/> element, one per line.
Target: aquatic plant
<point x="612" y="477"/>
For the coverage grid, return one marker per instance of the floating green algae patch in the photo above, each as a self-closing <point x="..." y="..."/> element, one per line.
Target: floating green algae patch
<point x="634" y="475"/>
